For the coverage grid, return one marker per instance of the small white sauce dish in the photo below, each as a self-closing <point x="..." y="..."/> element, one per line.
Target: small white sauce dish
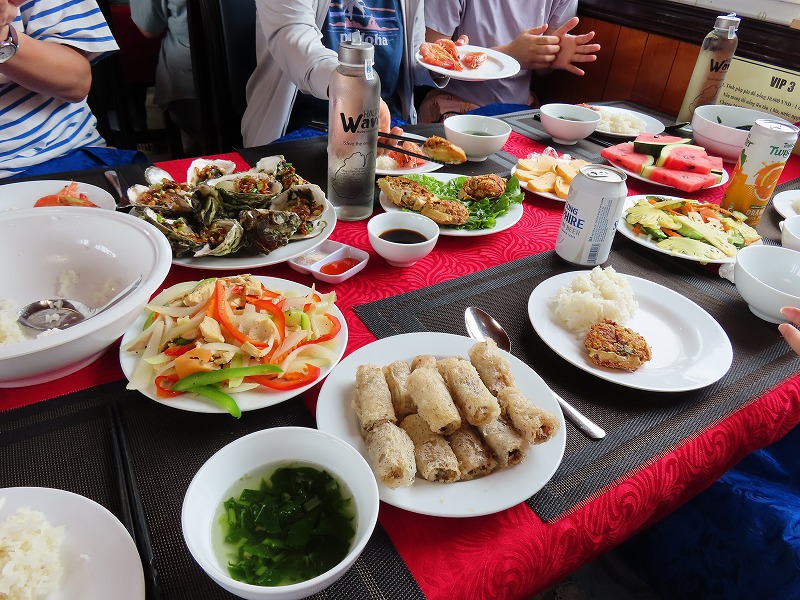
<point x="402" y="254"/>
<point x="568" y="123"/>
<point x="478" y="136"/>
<point x="768" y="278"/>
<point x="313" y="261"/>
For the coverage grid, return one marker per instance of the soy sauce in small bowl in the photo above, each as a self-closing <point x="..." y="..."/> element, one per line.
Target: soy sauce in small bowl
<point x="403" y="236"/>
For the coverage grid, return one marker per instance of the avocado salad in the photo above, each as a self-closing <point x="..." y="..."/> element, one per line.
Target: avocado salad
<point x="701" y="230"/>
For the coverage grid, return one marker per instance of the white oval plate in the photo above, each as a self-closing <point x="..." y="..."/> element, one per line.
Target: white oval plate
<point x="784" y="203"/>
<point x="99" y="556"/>
<point x="651" y="125"/>
<point x="426" y="167"/>
<point x="725" y="178"/>
<point x="279" y="255"/>
<point x="645" y="240"/>
<point x="495" y="492"/>
<point x="24" y="194"/>
<point x="690" y="349"/>
<point x="502" y="223"/>
<point x="250" y="400"/>
<point x="496" y="66"/>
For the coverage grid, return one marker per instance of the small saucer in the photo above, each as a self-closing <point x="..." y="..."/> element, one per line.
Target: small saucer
<point x="328" y="251"/>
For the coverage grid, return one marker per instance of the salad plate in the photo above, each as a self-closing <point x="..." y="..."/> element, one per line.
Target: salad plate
<point x="785" y="203"/>
<point x="645" y="240"/>
<point x="426" y="167"/>
<point x="651" y="125"/>
<point x="502" y="222"/>
<point x="495" y="492"/>
<point x="690" y="349"/>
<point x="496" y="66"/>
<point x="24" y="194"/>
<point x="98" y="555"/>
<point x="249" y="400"/>
<point x="243" y="263"/>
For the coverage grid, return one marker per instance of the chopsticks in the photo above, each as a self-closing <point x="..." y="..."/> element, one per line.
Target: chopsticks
<point x="319" y="126"/>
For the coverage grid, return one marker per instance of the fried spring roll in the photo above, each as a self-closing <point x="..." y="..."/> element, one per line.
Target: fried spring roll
<point x="372" y="400"/>
<point x="435" y="458"/>
<point x="391" y="453"/>
<point x="396" y="375"/>
<point x="434" y="404"/>
<point x="508" y="446"/>
<point x="535" y="424"/>
<point x="474" y="458"/>
<point x="471" y="396"/>
<point x="423" y="360"/>
<point x="493" y="367"/>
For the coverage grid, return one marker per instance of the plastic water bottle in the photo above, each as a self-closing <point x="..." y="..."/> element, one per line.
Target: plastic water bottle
<point x="712" y="66"/>
<point x="353" y="113"/>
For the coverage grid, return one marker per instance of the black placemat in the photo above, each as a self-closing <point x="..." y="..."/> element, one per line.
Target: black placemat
<point x="71" y="443"/>
<point x="640" y="424"/>
<point x="130" y="174"/>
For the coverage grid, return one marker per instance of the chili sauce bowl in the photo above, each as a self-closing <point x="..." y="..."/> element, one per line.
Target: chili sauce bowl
<point x="331" y="262"/>
<point x="242" y="464"/>
<point x="768" y="278"/>
<point x="568" y="123"/>
<point x="415" y="236"/>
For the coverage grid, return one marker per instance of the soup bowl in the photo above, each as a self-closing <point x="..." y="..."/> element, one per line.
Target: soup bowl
<point x="568" y="123"/>
<point x="768" y="278"/>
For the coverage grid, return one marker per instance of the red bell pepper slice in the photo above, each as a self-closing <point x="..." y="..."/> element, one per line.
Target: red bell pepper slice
<point x="336" y="327"/>
<point x="290" y="381"/>
<point x="164" y="385"/>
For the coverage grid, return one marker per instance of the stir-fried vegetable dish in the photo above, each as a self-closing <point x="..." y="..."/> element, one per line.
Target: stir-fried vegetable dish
<point x="219" y="337"/>
<point x="702" y="230"/>
<point x="296" y="526"/>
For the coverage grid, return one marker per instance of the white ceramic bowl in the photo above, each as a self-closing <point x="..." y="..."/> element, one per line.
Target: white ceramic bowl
<point x="399" y="254"/>
<point x="280" y="445"/>
<point x="568" y="123"/>
<point x="107" y="250"/>
<point x="477" y="135"/>
<point x="715" y="128"/>
<point x="790" y="232"/>
<point x="768" y="278"/>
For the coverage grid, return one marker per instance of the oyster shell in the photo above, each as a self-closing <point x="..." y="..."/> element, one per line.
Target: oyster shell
<point x="182" y="237"/>
<point x="266" y="230"/>
<point x="306" y="200"/>
<point x="209" y="204"/>
<point x="283" y="171"/>
<point x="222" y="237"/>
<point x="155" y="175"/>
<point x="166" y="196"/>
<point x="202" y="169"/>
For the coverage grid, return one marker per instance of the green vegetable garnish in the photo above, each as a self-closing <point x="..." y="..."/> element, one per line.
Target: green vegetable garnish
<point x="190" y="382"/>
<point x="219" y="398"/>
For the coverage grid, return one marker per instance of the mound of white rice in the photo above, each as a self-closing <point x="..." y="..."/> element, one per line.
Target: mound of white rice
<point x="594" y="296"/>
<point x="386" y="163"/>
<point x="30" y="564"/>
<point x="10" y="330"/>
<point x="620" y="122"/>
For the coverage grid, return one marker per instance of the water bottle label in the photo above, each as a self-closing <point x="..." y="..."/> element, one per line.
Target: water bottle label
<point x="369" y="74"/>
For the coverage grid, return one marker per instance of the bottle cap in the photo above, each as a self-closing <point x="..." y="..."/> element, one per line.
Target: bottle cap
<point x="727" y="22"/>
<point x="355" y="52"/>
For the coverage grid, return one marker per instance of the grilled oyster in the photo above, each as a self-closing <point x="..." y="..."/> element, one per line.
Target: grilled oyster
<point x="306" y="200"/>
<point x="167" y="197"/>
<point x="222" y="237"/>
<point x="181" y="236"/>
<point x="283" y="171"/>
<point x="265" y="230"/>
<point x="202" y="169"/>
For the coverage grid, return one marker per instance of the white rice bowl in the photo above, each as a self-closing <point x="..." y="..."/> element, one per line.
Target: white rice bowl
<point x="593" y="296"/>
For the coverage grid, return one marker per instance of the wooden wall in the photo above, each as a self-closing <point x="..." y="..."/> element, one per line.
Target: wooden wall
<point x="633" y="65"/>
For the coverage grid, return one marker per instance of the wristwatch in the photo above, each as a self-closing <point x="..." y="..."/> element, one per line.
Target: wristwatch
<point x="8" y="47"/>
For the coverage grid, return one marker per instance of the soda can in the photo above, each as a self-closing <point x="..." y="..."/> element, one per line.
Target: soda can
<point x="760" y="164"/>
<point x="593" y="207"/>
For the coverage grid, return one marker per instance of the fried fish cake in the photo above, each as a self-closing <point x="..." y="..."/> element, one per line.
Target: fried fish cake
<point x="482" y="186"/>
<point x="614" y="346"/>
<point x="446" y="212"/>
<point x="406" y="193"/>
<point x="438" y="148"/>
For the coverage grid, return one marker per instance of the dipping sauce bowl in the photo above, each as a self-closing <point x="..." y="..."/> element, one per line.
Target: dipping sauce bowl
<point x="402" y="238"/>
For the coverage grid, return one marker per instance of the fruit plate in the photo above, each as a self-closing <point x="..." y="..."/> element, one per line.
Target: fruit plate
<point x="629" y="173"/>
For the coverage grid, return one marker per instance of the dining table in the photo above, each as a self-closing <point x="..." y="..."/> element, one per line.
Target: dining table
<point x="88" y="434"/>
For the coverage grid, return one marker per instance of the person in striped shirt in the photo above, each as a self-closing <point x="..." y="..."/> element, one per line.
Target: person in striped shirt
<point x="46" y="124"/>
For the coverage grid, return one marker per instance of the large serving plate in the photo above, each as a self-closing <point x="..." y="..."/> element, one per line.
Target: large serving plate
<point x="495" y="492"/>
<point x="651" y="125"/>
<point x="502" y="223"/>
<point x="425" y="167"/>
<point x="496" y="66"/>
<point x="645" y="240"/>
<point x="24" y="194"/>
<point x="690" y="349"/>
<point x="243" y="263"/>
<point x="99" y="557"/>
<point x="250" y="400"/>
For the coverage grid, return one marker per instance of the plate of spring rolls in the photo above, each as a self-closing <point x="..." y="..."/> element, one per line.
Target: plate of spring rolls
<point x="451" y="427"/>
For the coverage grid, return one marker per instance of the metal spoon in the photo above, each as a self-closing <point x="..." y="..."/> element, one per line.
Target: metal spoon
<point x="59" y="313"/>
<point x="121" y="200"/>
<point x="481" y="326"/>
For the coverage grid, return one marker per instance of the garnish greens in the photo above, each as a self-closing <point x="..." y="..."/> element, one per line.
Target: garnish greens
<point x="297" y="525"/>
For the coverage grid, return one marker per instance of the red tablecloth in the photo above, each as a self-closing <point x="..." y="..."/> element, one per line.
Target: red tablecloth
<point x="511" y="554"/>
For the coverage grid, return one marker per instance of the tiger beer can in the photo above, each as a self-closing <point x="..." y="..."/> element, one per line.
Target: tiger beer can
<point x="760" y="164"/>
<point x="593" y="207"/>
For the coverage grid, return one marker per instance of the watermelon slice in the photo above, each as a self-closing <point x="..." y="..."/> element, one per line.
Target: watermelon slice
<point x="653" y="143"/>
<point x="681" y="180"/>
<point x="624" y="156"/>
<point x="685" y="157"/>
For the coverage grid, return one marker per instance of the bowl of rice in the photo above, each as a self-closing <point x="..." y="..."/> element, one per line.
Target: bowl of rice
<point x="619" y="122"/>
<point x="78" y="254"/>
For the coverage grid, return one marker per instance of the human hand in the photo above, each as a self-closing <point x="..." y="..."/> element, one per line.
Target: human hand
<point x="533" y="49"/>
<point x="574" y="48"/>
<point x="9" y="9"/>
<point x="789" y="332"/>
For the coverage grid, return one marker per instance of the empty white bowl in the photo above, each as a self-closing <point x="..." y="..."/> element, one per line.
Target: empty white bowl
<point x="94" y="253"/>
<point x="790" y="232"/>
<point x="477" y="135"/>
<point x="768" y="278"/>
<point x="568" y="123"/>
<point x="278" y="446"/>
<point x="720" y="129"/>
<point x="400" y="254"/>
